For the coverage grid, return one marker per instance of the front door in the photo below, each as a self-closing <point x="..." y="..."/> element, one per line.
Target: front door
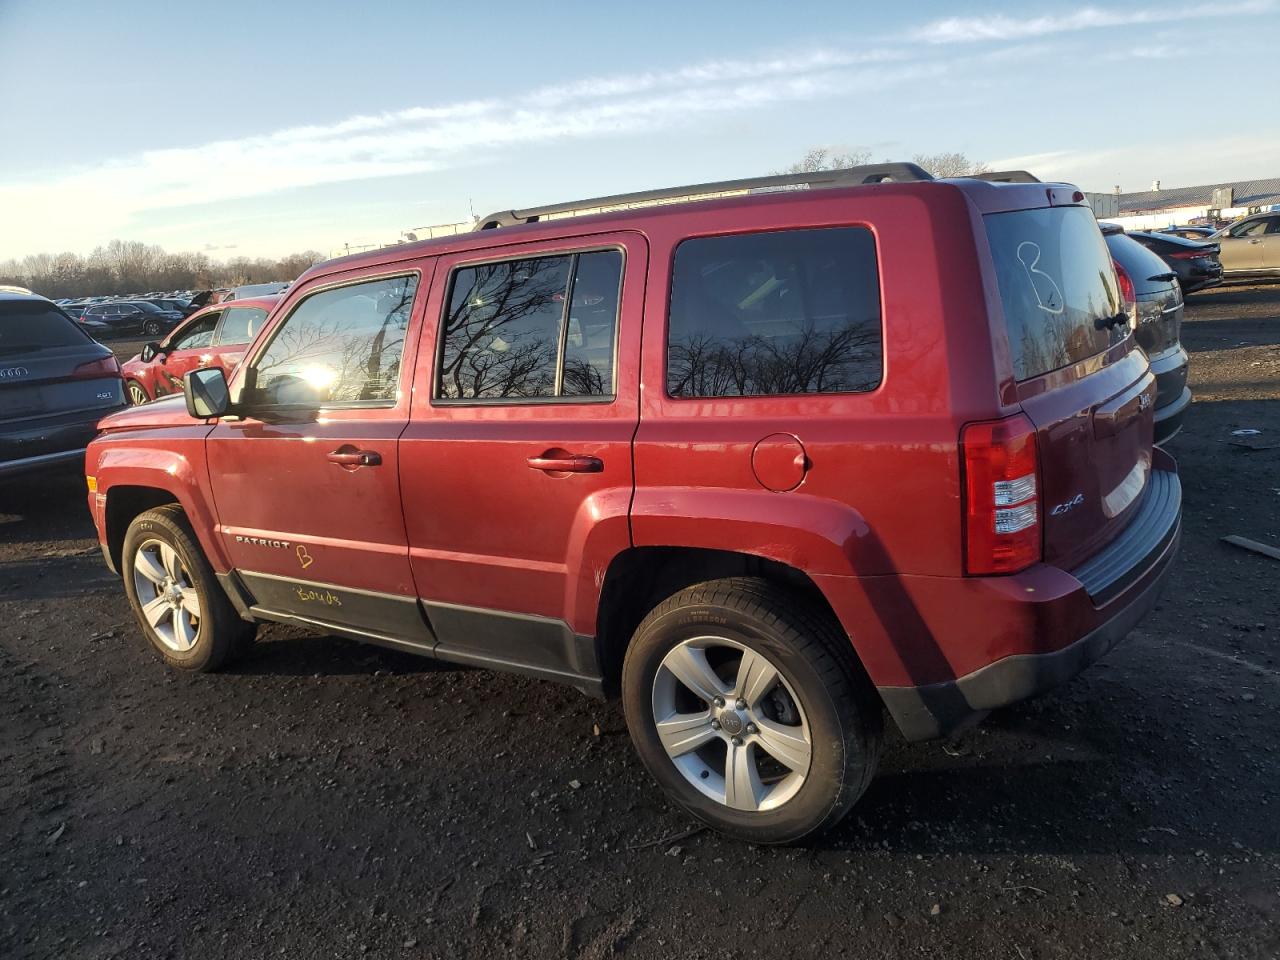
<point x="516" y="467"/>
<point x="183" y="352"/>
<point x="1242" y="248"/>
<point x="306" y="484"/>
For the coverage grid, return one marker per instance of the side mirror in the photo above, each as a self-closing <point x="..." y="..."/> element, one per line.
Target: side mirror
<point x="151" y="351"/>
<point x="206" y="393"/>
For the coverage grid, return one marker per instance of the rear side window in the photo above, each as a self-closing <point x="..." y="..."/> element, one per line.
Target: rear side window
<point x="241" y="324"/>
<point x="26" y="326"/>
<point x="774" y="314"/>
<point x="339" y="346"/>
<point x="1057" y="285"/>
<point x="542" y="327"/>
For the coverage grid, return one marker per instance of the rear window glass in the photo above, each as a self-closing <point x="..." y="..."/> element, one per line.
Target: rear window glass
<point x="770" y="314"/>
<point x="28" y="326"/>
<point x="1057" y="285"/>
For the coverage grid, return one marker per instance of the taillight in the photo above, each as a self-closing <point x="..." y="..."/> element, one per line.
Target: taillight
<point x="94" y="369"/>
<point x="1002" y="500"/>
<point x="1187" y="255"/>
<point x="1127" y="292"/>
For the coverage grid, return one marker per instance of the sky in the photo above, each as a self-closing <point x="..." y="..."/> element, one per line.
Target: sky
<point x="260" y="129"/>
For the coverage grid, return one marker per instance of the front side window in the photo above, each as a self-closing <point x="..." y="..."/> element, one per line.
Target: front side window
<point x="339" y="346"/>
<point x="241" y="324"/>
<point x="1254" y="228"/>
<point x="199" y="334"/>
<point x="774" y="314"/>
<point x="542" y="327"/>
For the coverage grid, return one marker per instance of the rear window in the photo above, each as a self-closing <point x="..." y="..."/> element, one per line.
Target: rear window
<point x="1057" y="285"/>
<point x="31" y="325"/>
<point x="241" y="324"/>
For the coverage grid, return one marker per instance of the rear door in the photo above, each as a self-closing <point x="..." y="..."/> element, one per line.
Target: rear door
<point x="1082" y="379"/>
<point x="516" y="467"/>
<point x="238" y="328"/>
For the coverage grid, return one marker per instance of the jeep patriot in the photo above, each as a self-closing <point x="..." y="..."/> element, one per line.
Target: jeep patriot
<point x="766" y="459"/>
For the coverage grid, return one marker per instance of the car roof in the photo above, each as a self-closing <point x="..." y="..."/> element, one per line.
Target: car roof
<point x="986" y="196"/>
<point x="12" y="295"/>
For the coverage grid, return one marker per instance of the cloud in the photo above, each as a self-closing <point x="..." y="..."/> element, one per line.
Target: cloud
<point x="427" y="138"/>
<point x="1003" y="27"/>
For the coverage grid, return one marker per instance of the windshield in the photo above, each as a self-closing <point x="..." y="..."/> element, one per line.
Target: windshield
<point x="27" y="326"/>
<point x="1057" y="285"/>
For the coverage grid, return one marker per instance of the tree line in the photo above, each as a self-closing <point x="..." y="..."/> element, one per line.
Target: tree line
<point x="127" y="266"/>
<point x="941" y="165"/>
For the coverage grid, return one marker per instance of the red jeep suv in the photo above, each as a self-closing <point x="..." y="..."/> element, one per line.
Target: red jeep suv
<point x="767" y="459"/>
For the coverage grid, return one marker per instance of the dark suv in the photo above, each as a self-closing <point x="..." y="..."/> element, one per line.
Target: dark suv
<point x="133" y="316"/>
<point x="766" y="466"/>
<point x="56" y="382"/>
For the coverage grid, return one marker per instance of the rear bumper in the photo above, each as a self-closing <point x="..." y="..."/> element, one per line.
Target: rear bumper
<point x="1061" y="633"/>
<point x="45" y="461"/>
<point x="48" y="442"/>
<point x="1173" y="396"/>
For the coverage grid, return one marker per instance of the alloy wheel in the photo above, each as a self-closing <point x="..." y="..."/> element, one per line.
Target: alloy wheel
<point x="167" y="595"/>
<point x="731" y="724"/>
<point x="136" y="394"/>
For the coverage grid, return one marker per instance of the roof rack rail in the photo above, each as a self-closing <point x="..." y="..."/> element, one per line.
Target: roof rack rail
<point x="1007" y="176"/>
<point x="845" y="177"/>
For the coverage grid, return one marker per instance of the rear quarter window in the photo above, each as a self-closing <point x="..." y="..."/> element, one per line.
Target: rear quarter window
<point x="771" y="314"/>
<point x="1057" y="285"/>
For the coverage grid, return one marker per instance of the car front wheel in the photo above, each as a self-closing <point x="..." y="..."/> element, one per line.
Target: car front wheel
<point x="748" y="707"/>
<point x="175" y="595"/>
<point x="136" y="394"/>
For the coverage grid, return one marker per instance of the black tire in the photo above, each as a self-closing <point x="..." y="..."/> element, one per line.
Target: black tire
<point x="220" y="633"/>
<point x="812" y="655"/>
<point x="151" y="328"/>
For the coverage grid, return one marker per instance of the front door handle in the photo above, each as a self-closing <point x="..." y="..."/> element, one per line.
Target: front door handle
<point x="356" y="458"/>
<point x="1255" y="240"/>
<point x="567" y="464"/>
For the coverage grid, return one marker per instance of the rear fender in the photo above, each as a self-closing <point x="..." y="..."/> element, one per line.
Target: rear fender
<point x="813" y="534"/>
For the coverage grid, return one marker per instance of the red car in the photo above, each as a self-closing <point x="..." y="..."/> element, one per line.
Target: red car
<point x="767" y="467"/>
<point x="214" y="336"/>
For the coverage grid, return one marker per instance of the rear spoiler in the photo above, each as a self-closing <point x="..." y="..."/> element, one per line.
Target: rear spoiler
<point x="1006" y="176"/>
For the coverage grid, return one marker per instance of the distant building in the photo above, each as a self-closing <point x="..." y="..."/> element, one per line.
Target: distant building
<point x="1178" y="205"/>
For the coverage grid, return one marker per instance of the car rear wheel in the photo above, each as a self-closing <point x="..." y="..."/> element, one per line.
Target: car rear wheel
<point x="151" y="328"/>
<point x="749" y="709"/>
<point x="136" y="394"/>
<point x="178" y="601"/>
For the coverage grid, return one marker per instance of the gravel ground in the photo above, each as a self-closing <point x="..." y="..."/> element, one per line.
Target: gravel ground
<point x="331" y="800"/>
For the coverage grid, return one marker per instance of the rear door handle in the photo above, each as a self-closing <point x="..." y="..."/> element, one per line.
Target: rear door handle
<point x="356" y="458"/>
<point x="569" y="464"/>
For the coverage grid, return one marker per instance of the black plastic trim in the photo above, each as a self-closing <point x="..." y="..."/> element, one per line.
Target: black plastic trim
<point x="516" y="642"/>
<point x="1124" y="560"/>
<point x="363" y="612"/>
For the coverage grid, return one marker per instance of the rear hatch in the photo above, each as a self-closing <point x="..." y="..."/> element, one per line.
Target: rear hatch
<point x="51" y="372"/>
<point x="1082" y="379"/>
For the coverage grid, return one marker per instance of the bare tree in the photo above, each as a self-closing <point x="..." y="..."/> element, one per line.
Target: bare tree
<point x="124" y="267"/>
<point x="943" y="165"/>
<point x="828" y="158"/>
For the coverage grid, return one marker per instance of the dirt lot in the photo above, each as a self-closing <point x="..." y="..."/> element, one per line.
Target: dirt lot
<point x="332" y="800"/>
